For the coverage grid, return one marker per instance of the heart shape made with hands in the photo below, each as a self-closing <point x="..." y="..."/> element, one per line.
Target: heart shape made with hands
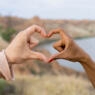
<point x="60" y="45"/>
<point x="66" y="47"/>
<point x="21" y="47"/>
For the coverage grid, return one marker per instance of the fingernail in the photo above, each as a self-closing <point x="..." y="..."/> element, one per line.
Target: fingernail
<point x="50" y="60"/>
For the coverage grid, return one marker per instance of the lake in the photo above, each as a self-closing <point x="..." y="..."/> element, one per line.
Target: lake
<point x="88" y="44"/>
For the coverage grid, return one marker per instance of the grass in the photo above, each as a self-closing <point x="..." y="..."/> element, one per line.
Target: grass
<point x="52" y="85"/>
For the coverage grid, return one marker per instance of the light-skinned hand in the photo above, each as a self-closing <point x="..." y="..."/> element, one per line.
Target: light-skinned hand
<point x="20" y="49"/>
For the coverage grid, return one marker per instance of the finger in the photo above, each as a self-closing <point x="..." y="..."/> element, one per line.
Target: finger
<point x="60" y="55"/>
<point x="58" y="46"/>
<point x="33" y="42"/>
<point x="37" y="55"/>
<point x="65" y="38"/>
<point x="33" y="45"/>
<point x="35" y="28"/>
<point x="56" y="31"/>
<point x="63" y="34"/>
<point x="54" y="57"/>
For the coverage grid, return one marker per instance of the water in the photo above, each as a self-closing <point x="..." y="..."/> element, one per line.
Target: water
<point x="87" y="44"/>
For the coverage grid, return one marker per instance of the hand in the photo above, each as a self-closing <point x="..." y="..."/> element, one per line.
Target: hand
<point x="67" y="48"/>
<point x="19" y="49"/>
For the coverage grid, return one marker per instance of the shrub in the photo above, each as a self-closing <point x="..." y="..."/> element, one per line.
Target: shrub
<point x="7" y="34"/>
<point x="6" y="88"/>
<point x="2" y="86"/>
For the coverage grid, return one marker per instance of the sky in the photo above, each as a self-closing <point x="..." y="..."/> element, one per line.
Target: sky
<point x="51" y="9"/>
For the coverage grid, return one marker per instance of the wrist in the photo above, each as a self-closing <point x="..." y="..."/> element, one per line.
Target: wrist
<point x="9" y="58"/>
<point x="86" y="59"/>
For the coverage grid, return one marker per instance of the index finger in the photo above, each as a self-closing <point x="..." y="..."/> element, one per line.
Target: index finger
<point x="58" y="31"/>
<point x="36" y="28"/>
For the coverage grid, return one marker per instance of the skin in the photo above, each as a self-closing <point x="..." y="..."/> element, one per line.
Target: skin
<point x="69" y="50"/>
<point x="20" y="49"/>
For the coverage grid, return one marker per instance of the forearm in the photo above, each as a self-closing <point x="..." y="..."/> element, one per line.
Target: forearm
<point x="89" y="66"/>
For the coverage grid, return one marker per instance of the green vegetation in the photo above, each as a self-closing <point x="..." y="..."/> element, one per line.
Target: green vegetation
<point x="1" y="30"/>
<point x="3" y="84"/>
<point x="6" y="88"/>
<point x="7" y="34"/>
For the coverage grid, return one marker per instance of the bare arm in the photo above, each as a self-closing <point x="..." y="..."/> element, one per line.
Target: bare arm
<point x="89" y="66"/>
<point x="69" y="50"/>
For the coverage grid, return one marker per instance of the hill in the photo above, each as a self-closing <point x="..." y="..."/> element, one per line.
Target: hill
<point x="75" y="28"/>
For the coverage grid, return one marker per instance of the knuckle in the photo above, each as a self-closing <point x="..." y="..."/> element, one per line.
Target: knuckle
<point x="34" y="27"/>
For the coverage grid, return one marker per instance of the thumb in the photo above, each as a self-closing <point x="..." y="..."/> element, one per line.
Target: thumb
<point x="60" y="55"/>
<point x="54" y="57"/>
<point x="37" y="55"/>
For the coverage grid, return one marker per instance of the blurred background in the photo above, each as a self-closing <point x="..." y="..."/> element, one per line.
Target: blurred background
<point x="34" y="77"/>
